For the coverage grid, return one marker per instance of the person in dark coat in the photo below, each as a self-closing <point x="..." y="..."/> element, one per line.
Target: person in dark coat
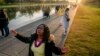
<point x="46" y="12"/>
<point x="40" y="43"/>
<point x="4" y="23"/>
<point x="57" y="8"/>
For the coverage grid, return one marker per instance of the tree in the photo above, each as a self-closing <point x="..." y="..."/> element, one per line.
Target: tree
<point x="2" y="2"/>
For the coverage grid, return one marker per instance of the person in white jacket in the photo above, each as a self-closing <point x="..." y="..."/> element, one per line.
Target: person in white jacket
<point x="65" y="20"/>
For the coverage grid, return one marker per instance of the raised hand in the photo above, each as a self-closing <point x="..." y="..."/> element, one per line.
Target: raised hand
<point x="64" y="49"/>
<point x="13" y="32"/>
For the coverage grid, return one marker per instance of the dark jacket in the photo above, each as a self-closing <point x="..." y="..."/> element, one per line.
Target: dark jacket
<point x="49" y="46"/>
<point x="3" y="19"/>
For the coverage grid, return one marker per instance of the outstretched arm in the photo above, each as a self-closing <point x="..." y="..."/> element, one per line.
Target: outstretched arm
<point x="20" y="37"/>
<point x="57" y="50"/>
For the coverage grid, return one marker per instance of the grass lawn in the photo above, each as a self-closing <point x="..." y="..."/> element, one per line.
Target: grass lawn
<point x="84" y="35"/>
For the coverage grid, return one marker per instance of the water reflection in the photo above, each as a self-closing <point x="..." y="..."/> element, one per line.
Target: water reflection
<point x="21" y="16"/>
<point x="23" y="10"/>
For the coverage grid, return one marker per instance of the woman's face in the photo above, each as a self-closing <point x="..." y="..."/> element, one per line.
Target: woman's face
<point x="40" y="30"/>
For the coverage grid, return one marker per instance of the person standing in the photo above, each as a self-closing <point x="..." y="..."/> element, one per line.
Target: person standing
<point x="40" y="42"/>
<point x="46" y="12"/>
<point x="4" y="23"/>
<point x="66" y="20"/>
<point x="57" y="8"/>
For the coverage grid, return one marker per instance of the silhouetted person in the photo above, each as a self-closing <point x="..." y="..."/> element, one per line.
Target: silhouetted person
<point x="4" y="23"/>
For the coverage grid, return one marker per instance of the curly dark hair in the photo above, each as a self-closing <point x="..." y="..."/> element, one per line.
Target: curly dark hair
<point x="46" y="34"/>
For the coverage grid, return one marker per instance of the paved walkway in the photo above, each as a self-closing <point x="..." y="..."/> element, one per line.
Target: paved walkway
<point x="10" y="46"/>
